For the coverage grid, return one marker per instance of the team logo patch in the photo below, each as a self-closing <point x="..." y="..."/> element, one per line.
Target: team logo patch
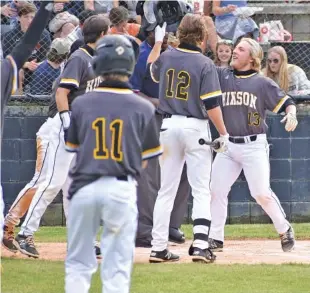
<point x="120" y="50"/>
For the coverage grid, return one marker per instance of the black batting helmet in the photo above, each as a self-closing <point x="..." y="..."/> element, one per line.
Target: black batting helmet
<point x="114" y="54"/>
<point x="155" y="13"/>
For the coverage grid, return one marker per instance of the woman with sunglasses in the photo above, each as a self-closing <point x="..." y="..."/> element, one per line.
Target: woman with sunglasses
<point x="290" y="78"/>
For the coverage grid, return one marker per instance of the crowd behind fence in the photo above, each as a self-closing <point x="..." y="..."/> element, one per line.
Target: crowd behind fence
<point x="45" y="64"/>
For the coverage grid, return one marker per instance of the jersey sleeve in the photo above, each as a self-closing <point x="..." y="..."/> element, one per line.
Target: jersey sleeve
<point x="72" y="74"/>
<point x="275" y="98"/>
<point x="9" y="77"/>
<point x="155" y="70"/>
<point x="210" y="89"/>
<point x="72" y="143"/>
<point x="151" y="146"/>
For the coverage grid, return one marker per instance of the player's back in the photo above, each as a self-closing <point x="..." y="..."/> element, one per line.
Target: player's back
<point x="111" y="127"/>
<point x="181" y="77"/>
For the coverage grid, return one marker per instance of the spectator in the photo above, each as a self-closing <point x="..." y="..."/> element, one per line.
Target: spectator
<point x="119" y="19"/>
<point x="9" y="40"/>
<point x="131" y="5"/>
<point x="137" y="79"/>
<point x="43" y="78"/>
<point x="290" y="78"/>
<point x="7" y="12"/>
<point x="101" y="6"/>
<point x="224" y="49"/>
<point x="63" y="24"/>
<point x="230" y="26"/>
<point x="76" y="37"/>
<point x="26" y="13"/>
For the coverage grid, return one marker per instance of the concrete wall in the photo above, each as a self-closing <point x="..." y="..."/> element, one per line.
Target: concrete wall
<point x="289" y="158"/>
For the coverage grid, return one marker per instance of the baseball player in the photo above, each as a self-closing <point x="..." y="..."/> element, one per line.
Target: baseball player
<point x="13" y="62"/>
<point x="246" y="96"/>
<point x="112" y="130"/>
<point x="189" y="91"/>
<point x="22" y="202"/>
<point x="149" y="180"/>
<point x="77" y="78"/>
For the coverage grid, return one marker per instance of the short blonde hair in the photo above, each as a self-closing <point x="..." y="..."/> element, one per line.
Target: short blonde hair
<point x="256" y="53"/>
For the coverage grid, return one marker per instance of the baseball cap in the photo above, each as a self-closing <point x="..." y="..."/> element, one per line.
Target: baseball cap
<point x="61" y="45"/>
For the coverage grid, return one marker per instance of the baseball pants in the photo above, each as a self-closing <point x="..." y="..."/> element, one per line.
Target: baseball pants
<point x="253" y="158"/>
<point x="179" y="137"/>
<point x="148" y="187"/>
<point x="114" y="203"/>
<point x="25" y="196"/>
<point x="58" y="162"/>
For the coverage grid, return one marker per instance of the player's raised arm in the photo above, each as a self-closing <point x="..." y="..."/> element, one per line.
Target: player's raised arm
<point x="22" y="51"/>
<point x="160" y="32"/>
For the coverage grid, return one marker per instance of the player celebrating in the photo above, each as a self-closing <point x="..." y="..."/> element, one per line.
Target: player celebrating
<point x="189" y="92"/>
<point x="110" y="127"/>
<point x="76" y="79"/>
<point x="13" y="62"/>
<point x="246" y="96"/>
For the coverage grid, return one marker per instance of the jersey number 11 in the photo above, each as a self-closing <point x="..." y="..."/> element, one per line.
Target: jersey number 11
<point x="101" y="152"/>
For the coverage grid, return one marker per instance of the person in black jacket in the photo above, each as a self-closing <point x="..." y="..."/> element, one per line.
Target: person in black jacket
<point x="26" y="13"/>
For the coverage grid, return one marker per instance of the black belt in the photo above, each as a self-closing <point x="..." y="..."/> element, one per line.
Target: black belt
<point x="122" y="178"/>
<point x="170" y="115"/>
<point x="242" y="139"/>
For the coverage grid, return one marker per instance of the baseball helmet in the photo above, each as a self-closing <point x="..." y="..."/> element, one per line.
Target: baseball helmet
<point x="155" y="13"/>
<point x="114" y="54"/>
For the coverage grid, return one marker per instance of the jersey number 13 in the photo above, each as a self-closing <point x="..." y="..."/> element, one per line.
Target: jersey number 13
<point x="101" y="151"/>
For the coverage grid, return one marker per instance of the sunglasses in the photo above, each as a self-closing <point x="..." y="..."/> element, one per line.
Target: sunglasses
<point x="275" y="61"/>
<point x="226" y="42"/>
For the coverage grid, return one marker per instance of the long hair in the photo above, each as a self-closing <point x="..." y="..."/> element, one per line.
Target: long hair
<point x="226" y="43"/>
<point x="281" y="78"/>
<point x="192" y="29"/>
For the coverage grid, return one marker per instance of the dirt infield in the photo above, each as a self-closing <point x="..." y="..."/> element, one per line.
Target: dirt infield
<point x="242" y="252"/>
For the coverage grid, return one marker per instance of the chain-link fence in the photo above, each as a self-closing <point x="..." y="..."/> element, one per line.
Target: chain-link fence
<point x="45" y="65"/>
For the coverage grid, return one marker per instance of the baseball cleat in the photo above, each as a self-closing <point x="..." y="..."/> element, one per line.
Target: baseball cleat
<point x="215" y="245"/>
<point x="25" y="244"/>
<point x="8" y="239"/>
<point x="201" y="255"/>
<point x="288" y="240"/>
<point x="163" y="256"/>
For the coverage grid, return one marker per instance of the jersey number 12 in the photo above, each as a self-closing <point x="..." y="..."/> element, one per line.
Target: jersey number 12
<point x="101" y="151"/>
<point x="183" y="83"/>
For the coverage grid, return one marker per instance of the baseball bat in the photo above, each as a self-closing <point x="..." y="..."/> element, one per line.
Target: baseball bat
<point x="216" y="145"/>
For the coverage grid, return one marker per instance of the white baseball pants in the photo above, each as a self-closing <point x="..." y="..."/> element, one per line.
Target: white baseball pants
<point x="115" y="203"/>
<point x="58" y="162"/>
<point x="253" y="158"/>
<point x="179" y="137"/>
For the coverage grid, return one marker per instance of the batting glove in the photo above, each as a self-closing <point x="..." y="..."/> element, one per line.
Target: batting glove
<point x="160" y="32"/>
<point x="291" y="122"/>
<point x="65" y="121"/>
<point x="222" y="143"/>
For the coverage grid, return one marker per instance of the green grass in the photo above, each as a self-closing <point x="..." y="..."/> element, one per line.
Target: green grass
<point x="38" y="276"/>
<point x="33" y="276"/>
<point x="253" y="231"/>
